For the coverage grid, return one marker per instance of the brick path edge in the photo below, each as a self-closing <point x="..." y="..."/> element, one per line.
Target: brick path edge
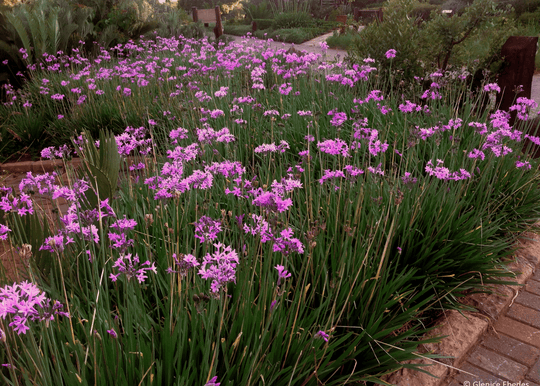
<point x="464" y="330"/>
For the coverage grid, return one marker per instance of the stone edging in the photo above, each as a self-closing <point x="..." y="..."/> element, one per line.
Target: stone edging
<point x="469" y="325"/>
<point x="43" y="166"/>
<point x="47" y="166"/>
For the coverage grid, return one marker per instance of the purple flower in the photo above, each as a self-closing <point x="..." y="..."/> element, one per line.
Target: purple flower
<point x="475" y="153"/>
<point x="322" y="335"/>
<point x="443" y="173"/>
<point x="222" y="92"/>
<point x="184" y="265"/>
<point x="220" y="267"/>
<point x="338" y="119"/>
<point x="285" y="89"/>
<point x="112" y="333"/>
<point x="57" y="97"/>
<point x="334" y="146"/>
<point x="261" y="228"/>
<point x="282" y="273"/>
<point x="272" y="148"/>
<point x="492" y="87"/>
<point x="56" y="244"/>
<point x="212" y="382"/>
<point x="519" y="164"/>
<point x="132" y="267"/>
<point x="26" y="303"/>
<point x="286" y="244"/>
<point x="3" y="232"/>
<point x="207" y="229"/>
<point x="124" y="224"/>
<point x="391" y="53"/>
<point x="127" y="92"/>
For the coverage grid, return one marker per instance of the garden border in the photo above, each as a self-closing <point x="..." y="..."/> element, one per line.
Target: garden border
<point x="455" y="325"/>
<point x="473" y="325"/>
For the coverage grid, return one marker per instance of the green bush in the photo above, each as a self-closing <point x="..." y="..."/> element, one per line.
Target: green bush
<point x="293" y="20"/>
<point x="343" y="41"/>
<point x="327" y="25"/>
<point x="237" y="30"/>
<point x="524" y="6"/>
<point x="422" y="11"/>
<point x="264" y="23"/>
<point x="262" y="33"/>
<point x="476" y="36"/>
<point x="530" y="17"/>
<point x="290" y="35"/>
<point x="398" y="31"/>
<point x="256" y="11"/>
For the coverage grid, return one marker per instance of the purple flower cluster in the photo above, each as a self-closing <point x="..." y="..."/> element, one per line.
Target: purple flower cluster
<point x="209" y="135"/>
<point x="220" y="267"/>
<point x="132" y="267"/>
<point x="25" y="302"/>
<point x="3" y="232"/>
<point x="183" y="265"/>
<point x="335" y="147"/>
<point x="282" y="242"/>
<point x="207" y="229"/>
<point x="120" y="240"/>
<point x="42" y="183"/>
<point x="443" y="173"/>
<point x="410" y="107"/>
<point x="22" y="205"/>
<point x="283" y="274"/>
<point x="338" y="118"/>
<point x="523" y="106"/>
<point x="133" y="139"/>
<point x="272" y="148"/>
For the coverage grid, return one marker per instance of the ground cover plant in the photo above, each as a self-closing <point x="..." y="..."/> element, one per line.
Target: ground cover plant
<point x="259" y="217"/>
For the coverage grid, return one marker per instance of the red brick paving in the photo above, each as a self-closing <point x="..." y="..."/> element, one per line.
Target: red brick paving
<point x="509" y="354"/>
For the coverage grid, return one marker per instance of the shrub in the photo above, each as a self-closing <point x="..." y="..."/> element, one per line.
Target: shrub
<point x="343" y="41"/>
<point x="530" y="17"/>
<point x="293" y="20"/>
<point x="524" y="6"/>
<point x="422" y="11"/>
<point x="398" y="31"/>
<point x="237" y="30"/>
<point x="256" y="11"/>
<point x="444" y="34"/>
<point x="475" y="35"/>
<point x="264" y="23"/>
<point x="291" y="35"/>
<point x="455" y="5"/>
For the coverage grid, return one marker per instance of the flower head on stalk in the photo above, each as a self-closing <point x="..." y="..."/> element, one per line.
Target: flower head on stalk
<point x="132" y="267"/>
<point x="3" y="232"/>
<point x="322" y="335"/>
<point x="220" y="267"/>
<point x="207" y="229"/>
<point x="390" y="54"/>
<point x="184" y="264"/>
<point x="25" y="302"/>
<point x="282" y="273"/>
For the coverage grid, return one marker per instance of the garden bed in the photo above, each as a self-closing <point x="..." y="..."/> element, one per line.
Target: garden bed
<point x="284" y="219"/>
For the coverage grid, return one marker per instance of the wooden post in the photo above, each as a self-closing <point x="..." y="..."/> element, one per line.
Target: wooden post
<point x="519" y="53"/>
<point x="218" y="30"/>
<point x="356" y="13"/>
<point x="195" y="14"/>
<point x="379" y="15"/>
